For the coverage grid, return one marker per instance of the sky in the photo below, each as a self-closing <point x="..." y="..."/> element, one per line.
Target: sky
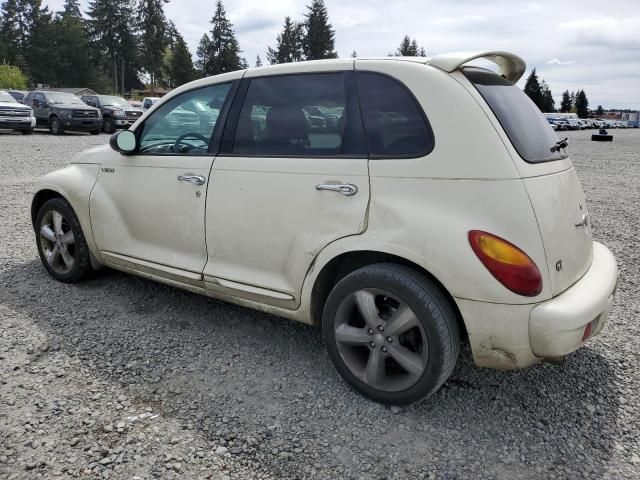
<point x="573" y="44"/>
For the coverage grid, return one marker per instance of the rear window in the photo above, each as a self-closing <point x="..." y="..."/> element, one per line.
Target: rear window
<point x="526" y="127"/>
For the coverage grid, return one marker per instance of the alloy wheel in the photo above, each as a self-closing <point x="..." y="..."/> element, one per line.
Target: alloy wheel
<point x="58" y="242"/>
<point x="381" y="340"/>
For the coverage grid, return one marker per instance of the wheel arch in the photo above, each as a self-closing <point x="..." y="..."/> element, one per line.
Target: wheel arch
<point x="40" y="198"/>
<point x="346" y="262"/>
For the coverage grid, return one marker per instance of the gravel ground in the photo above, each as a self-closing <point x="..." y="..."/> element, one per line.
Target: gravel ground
<point x="120" y="377"/>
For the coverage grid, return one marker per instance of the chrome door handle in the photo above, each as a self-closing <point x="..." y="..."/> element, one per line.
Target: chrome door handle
<point x="194" y="179"/>
<point x="346" y="189"/>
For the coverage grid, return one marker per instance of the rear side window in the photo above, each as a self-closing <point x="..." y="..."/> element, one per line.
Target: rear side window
<point x="302" y="115"/>
<point x="526" y="127"/>
<point x="395" y="125"/>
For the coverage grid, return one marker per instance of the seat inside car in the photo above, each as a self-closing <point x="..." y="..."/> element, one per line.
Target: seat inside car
<point x="286" y="132"/>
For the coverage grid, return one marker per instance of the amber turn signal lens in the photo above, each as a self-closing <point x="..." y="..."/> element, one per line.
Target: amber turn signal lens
<point x="507" y="263"/>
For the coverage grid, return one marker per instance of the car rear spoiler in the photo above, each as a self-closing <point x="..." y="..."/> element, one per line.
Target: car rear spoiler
<point x="511" y="66"/>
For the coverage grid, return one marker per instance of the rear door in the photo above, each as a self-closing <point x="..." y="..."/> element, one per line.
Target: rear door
<point x="548" y="175"/>
<point x="291" y="177"/>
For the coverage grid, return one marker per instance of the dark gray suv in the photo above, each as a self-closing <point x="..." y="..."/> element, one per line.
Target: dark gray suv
<point x="116" y="111"/>
<point x="61" y="111"/>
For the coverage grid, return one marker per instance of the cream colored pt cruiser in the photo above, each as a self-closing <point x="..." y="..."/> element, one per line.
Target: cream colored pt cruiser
<point x="405" y="204"/>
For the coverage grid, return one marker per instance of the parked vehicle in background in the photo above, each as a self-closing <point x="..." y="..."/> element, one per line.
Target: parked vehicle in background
<point x="15" y="115"/>
<point x="148" y="102"/>
<point x="398" y="248"/>
<point x="587" y="122"/>
<point x="553" y="124"/>
<point x="574" y="124"/>
<point x="135" y="103"/>
<point x="59" y="111"/>
<point x="116" y="111"/>
<point x="18" y="95"/>
<point x="563" y="125"/>
<point x="598" y="123"/>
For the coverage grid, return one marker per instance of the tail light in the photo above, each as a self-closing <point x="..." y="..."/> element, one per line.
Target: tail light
<point x="507" y="263"/>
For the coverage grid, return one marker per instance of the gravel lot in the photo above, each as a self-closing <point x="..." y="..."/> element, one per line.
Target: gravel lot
<point x="121" y="377"/>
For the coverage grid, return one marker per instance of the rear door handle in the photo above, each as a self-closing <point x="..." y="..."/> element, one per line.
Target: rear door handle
<point x="346" y="189"/>
<point x="194" y="179"/>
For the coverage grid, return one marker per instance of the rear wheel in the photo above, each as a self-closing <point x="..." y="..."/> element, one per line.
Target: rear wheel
<point x="61" y="243"/>
<point x="55" y="125"/>
<point x="391" y="333"/>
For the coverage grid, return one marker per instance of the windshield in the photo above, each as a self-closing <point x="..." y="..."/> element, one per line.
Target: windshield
<point x="526" y="127"/>
<point x="5" y="97"/>
<point x="60" y="97"/>
<point x="107" y="101"/>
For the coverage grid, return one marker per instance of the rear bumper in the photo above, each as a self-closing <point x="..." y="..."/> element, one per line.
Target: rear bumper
<point x="557" y="326"/>
<point x="516" y="336"/>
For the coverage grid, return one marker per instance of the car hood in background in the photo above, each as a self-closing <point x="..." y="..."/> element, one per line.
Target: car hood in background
<point x="15" y="106"/>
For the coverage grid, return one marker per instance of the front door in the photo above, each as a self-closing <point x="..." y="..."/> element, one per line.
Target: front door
<point x="292" y="179"/>
<point x="149" y="208"/>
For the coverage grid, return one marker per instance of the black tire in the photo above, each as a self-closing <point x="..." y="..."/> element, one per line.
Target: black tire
<point x="430" y="306"/>
<point x="28" y="131"/>
<point x="55" y="126"/>
<point x="81" y="268"/>
<point x="95" y="132"/>
<point x="108" y="125"/>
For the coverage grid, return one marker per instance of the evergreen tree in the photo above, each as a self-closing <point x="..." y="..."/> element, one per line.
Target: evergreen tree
<point x="153" y="37"/>
<point x="202" y="52"/>
<point x="565" y="104"/>
<point x="548" y="104"/>
<point x="14" y="33"/>
<point x="408" y="47"/>
<point x="533" y="89"/>
<point x="289" y="44"/>
<point x="181" y="68"/>
<point x="73" y="67"/>
<point x="599" y="111"/>
<point x="573" y="101"/>
<point x="319" y="37"/>
<point x="354" y="54"/>
<point x="582" y="104"/>
<point x="422" y="52"/>
<point x="113" y="43"/>
<point x="258" y="61"/>
<point x="222" y="52"/>
<point x="40" y="53"/>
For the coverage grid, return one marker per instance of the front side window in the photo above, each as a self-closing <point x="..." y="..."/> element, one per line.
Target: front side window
<point x="526" y="127"/>
<point x="394" y="122"/>
<point x="302" y="115"/>
<point x="184" y="125"/>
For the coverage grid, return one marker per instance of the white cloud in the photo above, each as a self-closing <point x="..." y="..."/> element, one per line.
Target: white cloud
<point x="555" y="61"/>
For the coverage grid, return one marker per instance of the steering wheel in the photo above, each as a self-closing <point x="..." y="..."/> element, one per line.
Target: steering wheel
<point x="176" y="145"/>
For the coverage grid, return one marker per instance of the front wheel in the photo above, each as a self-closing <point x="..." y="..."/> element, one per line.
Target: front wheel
<point x="391" y="333"/>
<point x="61" y="243"/>
<point x="55" y="125"/>
<point x="108" y="125"/>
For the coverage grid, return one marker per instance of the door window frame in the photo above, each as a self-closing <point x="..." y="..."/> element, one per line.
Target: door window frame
<point x="228" y="136"/>
<point x="216" y="134"/>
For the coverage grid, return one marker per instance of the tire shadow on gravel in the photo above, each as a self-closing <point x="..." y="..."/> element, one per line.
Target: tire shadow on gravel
<point x="232" y="373"/>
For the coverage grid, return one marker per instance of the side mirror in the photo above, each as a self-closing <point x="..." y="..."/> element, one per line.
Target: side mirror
<point x="123" y="141"/>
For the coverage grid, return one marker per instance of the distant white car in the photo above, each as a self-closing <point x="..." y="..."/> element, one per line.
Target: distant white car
<point x="383" y="227"/>
<point x="15" y="115"/>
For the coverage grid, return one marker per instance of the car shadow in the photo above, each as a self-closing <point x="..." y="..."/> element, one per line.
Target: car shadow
<point x="230" y="372"/>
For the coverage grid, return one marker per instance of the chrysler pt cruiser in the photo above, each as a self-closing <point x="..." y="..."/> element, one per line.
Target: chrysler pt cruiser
<point x="404" y="204"/>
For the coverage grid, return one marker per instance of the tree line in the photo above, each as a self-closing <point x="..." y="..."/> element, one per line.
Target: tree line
<point x="120" y="45"/>
<point x="540" y="94"/>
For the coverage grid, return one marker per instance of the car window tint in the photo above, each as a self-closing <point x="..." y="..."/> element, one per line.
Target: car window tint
<point x="395" y="124"/>
<point x="184" y="125"/>
<point x="521" y="119"/>
<point x="299" y="115"/>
